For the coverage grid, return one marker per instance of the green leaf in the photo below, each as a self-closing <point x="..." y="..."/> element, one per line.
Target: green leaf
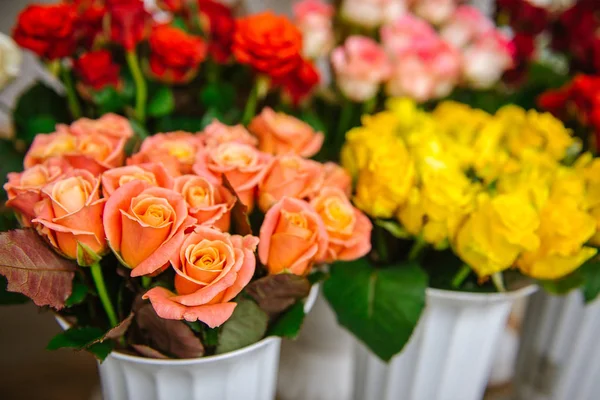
<point x="83" y="338"/>
<point x="313" y="119"/>
<point x="246" y="326"/>
<point x="172" y="123"/>
<point x="138" y="129"/>
<point x="394" y="228"/>
<point x="109" y="100"/>
<point x="317" y="276"/>
<point x="210" y="336"/>
<point x="218" y="95"/>
<point x="590" y="271"/>
<point x="211" y="115"/>
<point x="162" y="103"/>
<point x="381" y="307"/>
<point x="38" y="110"/>
<point x="179" y="22"/>
<point x="563" y="285"/>
<point x="78" y="295"/>
<point x="289" y="324"/>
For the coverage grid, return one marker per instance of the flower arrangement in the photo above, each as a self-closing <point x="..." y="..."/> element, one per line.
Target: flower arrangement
<point x="154" y="252"/>
<point x="462" y="200"/>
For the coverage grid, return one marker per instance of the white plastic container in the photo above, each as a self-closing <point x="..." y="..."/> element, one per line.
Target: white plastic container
<point x="245" y="374"/>
<point x="449" y="355"/>
<point x="559" y="356"/>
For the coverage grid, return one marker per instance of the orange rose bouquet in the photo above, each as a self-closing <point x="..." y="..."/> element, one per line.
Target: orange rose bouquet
<point x="219" y="232"/>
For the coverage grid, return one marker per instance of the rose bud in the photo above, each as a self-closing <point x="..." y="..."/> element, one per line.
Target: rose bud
<point x="174" y="54"/>
<point x="152" y="173"/>
<point x="24" y="189"/>
<point x="175" y="150"/>
<point x="70" y="212"/>
<point x="145" y="225"/>
<point x="129" y="22"/>
<point x="279" y="133"/>
<point x="46" y="146"/>
<point x="47" y="30"/>
<point x="242" y="165"/>
<point x="360" y="66"/>
<point x="292" y="238"/>
<point x="338" y="177"/>
<point x="349" y="229"/>
<point x="315" y="20"/>
<point x="97" y="70"/>
<point x="209" y="203"/>
<point x="217" y="133"/>
<point x="289" y="176"/>
<point x="211" y="269"/>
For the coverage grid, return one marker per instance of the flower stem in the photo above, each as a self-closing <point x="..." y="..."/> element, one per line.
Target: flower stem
<point x="460" y="276"/>
<point x="498" y="282"/>
<point x="101" y="288"/>
<point x="380" y="244"/>
<point x="250" y="109"/>
<point x="417" y="249"/>
<point x="140" y="86"/>
<point x="344" y="123"/>
<point x="72" y="101"/>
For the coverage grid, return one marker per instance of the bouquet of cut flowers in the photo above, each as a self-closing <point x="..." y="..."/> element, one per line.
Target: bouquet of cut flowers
<point x="154" y="253"/>
<point x="462" y="200"/>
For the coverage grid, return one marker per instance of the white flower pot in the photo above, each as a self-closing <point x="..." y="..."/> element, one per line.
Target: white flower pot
<point x="449" y="355"/>
<point x="559" y="356"/>
<point x="249" y="373"/>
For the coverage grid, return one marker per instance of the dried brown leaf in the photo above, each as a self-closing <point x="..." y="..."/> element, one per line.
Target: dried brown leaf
<point x="33" y="269"/>
<point x="275" y="293"/>
<point x="148" y="351"/>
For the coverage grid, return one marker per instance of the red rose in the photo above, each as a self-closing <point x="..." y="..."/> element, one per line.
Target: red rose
<point x="301" y="81"/>
<point x="218" y="21"/>
<point x="175" y="55"/>
<point x="268" y="43"/>
<point x="47" y="30"/>
<point x="129" y="22"/>
<point x="524" y="16"/>
<point x="97" y="69"/>
<point x="174" y="6"/>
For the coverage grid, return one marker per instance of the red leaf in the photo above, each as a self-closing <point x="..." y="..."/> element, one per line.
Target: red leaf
<point x="148" y="351"/>
<point x="33" y="269"/>
<point x="275" y="293"/>
<point x="239" y="212"/>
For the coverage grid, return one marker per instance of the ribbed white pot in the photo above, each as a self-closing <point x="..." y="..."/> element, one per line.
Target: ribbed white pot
<point x="449" y="355"/>
<point x="245" y="374"/>
<point x="559" y="356"/>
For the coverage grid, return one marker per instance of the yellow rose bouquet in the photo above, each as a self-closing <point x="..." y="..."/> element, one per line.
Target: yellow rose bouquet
<point x="467" y="201"/>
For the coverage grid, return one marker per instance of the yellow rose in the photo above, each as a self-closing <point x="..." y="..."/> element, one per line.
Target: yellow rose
<point x="496" y="233"/>
<point x="563" y="231"/>
<point x="460" y="121"/>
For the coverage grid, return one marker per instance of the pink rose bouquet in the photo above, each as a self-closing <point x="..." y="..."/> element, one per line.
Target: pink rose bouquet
<point x="166" y="230"/>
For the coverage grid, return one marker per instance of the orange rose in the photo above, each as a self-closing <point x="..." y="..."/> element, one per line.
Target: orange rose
<point x="217" y="133"/>
<point x="210" y="204"/>
<point x="113" y="126"/>
<point x="212" y="268"/>
<point x="269" y="43"/>
<point x="289" y="176"/>
<point x="175" y="150"/>
<point x="152" y="173"/>
<point x="70" y="212"/>
<point x="292" y="237"/>
<point x="338" y="177"/>
<point x="280" y="133"/>
<point x="145" y="225"/>
<point x="349" y="229"/>
<point x="24" y="189"/>
<point x="46" y="146"/>
<point x="242" y="165"/>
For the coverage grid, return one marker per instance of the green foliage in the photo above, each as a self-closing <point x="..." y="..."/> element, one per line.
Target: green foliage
<point x="109" y="100"/>
<point x="219" y="96"/>
<point x="590" y="271"/>
<point x="83" y="338"/>
<point x="38" y="110"/>
<point x="162" y="102"/>
<point x="172" y="123"/>
<point x="380" y="306"/>
<point x="78" y="294"/>
<point x="290" y="323"/>
<point x="246" y="326"/>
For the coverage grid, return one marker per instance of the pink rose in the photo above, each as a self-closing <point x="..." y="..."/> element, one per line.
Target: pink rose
<point x="177" y="151"/>
<point x="425" y="72"/>
<point x="70" y="212"/>
<point x="372" y="13"/>
<point x="152" y="173"/>
<point x="338" y="177"/>
<point x="406" y="33"/>
<point x="486" y="59"/>
<point x="435" y="11"/>
<point x="349" y="230"/>
<point x="289" y="176"/>
<point x="360" y="66"/>
<point x="209" y="203"/>
<point x="212" y="268"/>
<point x="243" y="166"/>
<point x="217" y="133"/>
<point x="145" y="225"/>
<point x="315" y="20"/>
<point x="292" y="238"/>
<point x="279" y="133"/>
<point x="46" y="146"/>
<point x="465" y="25"/>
